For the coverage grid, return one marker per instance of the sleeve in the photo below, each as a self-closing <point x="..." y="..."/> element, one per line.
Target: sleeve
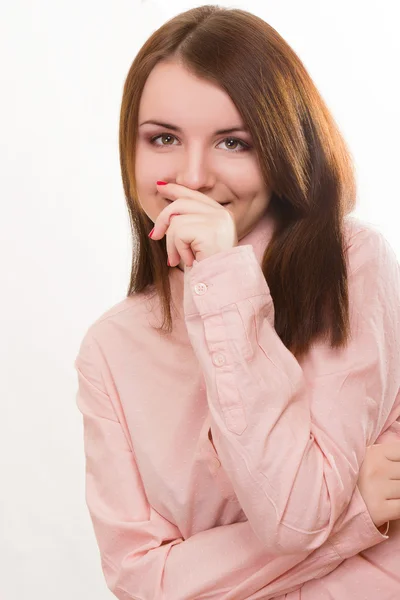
<point x="352" y="531"/>
<point x="143" y="556"/>
<point x="292" y="437"/>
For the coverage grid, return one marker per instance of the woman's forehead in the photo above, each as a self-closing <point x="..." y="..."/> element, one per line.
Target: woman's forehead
<point x="172" y="94"/>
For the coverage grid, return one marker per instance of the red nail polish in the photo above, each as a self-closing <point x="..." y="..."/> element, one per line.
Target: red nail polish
<point x="161" y="183"/>
<point x="151" y="232"/>
<point x="168" y="263"/>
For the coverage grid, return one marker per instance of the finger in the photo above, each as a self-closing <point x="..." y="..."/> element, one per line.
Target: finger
<point x="182" y="207"/>
<point x="174" y="191"/>
<point x="392" y="510"/>
<point x="393" y="469"/>
<point x="392" y="490"/>
<point x="178" y="249"/>
<point x="173" y="255"/>
<point x="185" y="252"/>
<point x="392" y="450"/>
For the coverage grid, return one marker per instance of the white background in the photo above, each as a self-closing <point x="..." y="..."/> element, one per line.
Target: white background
<point x="65" y="242"/>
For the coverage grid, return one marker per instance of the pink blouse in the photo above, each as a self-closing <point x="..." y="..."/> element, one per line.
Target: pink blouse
<point x="269" y="507"/>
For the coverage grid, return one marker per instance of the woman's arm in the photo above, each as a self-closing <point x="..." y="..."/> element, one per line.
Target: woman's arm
<point x="143" y="555"/>
<point x="349" y="534"/>
<point x="292" y="437"/>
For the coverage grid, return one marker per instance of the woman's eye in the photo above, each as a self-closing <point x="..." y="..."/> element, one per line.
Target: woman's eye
<point x="242" y="145"/>
<point x="162" y="135"/>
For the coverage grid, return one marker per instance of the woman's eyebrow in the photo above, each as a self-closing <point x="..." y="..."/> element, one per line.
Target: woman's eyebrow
<point x="176" y="128"/>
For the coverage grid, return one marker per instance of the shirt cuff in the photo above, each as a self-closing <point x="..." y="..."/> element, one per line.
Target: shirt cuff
<point x="224" y="278"/>
<point x="386" y="530"/>
<point x="361" y="531"/>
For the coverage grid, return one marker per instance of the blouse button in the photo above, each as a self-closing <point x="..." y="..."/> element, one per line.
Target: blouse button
<point x="200" y="288"/>
<point x="218" y="359"/>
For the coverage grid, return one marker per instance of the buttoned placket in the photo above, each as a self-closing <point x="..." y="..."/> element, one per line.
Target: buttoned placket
<point x="218" y="358"/>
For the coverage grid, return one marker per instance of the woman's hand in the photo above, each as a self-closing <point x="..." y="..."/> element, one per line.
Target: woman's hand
<point x="379" y="482"/>
<point x="202" y="227"/>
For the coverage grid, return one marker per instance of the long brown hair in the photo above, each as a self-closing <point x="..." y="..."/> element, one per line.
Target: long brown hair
<point x="303" y="157"/>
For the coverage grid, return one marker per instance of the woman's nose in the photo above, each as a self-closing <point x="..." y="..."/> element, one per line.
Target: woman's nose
<point x="195" y="173"/>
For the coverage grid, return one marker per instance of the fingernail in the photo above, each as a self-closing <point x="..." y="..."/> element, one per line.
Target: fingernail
<point x="161" y="183"/>
<point x="168" y="263"/>
<point x="151" y="232"/>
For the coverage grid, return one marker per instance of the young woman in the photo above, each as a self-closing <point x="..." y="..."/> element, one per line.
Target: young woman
<point x="241" y="405"/>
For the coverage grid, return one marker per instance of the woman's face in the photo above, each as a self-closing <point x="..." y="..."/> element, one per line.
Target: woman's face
<point x="190" y="152"/>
